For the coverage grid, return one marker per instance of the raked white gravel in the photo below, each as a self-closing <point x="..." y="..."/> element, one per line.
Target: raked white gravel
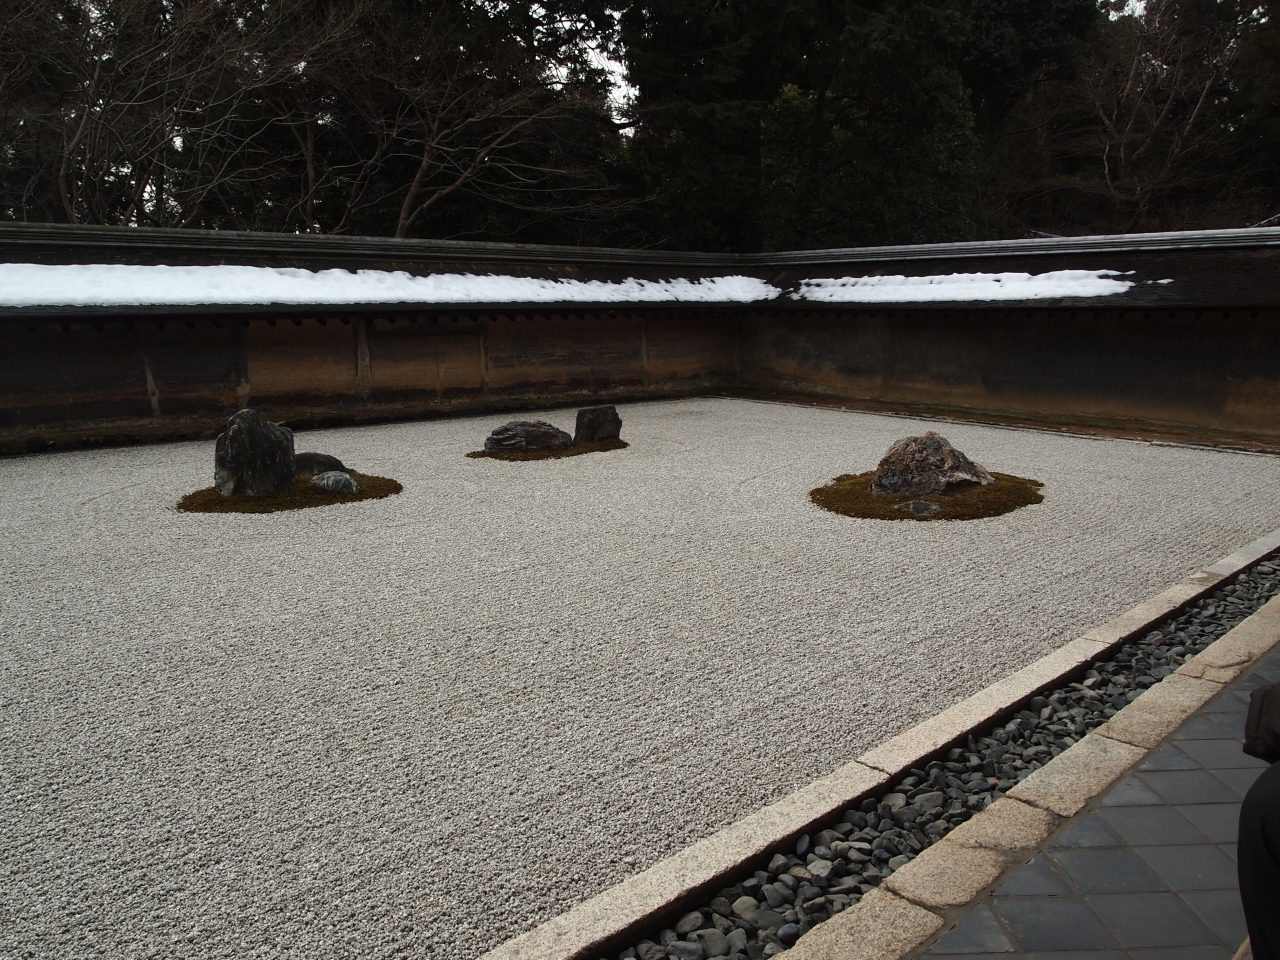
<point x="421" y="725"/>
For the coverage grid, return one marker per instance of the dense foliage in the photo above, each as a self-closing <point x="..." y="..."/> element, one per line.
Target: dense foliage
<point x="749" y="124"/>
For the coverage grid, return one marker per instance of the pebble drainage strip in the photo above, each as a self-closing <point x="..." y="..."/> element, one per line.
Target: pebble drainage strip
<point x="830" y="870"/>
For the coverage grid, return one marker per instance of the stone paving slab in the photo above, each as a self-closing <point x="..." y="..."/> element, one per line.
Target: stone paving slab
<point x="1148" y="872"/>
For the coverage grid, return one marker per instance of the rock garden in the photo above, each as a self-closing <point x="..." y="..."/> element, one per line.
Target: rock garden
<point x="429" y="723"/>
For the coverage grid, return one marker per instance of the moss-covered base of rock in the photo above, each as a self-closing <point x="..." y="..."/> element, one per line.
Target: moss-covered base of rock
<point x="577" y="450"/>
<point x="851" y="495"/>
<point x="302" y="496"/>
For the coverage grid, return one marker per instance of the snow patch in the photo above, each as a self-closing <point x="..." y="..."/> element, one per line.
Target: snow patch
<point x="100" y="285"/>
<point x="964" y="286"/>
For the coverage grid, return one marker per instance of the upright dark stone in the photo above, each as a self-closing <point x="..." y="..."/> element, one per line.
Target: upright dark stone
<point x="920" y="466"/>
<point x="253" y="456"/>
<point x="597" y="423"/>
<point x="526" y="435"/>
<point x="308" y="464"/>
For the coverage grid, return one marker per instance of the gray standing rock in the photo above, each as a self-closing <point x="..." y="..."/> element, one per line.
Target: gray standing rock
<point x="335" y="481"/>
<point x="307" y="464"/>
<point x="597" y="423"/>
<point x="919" y="466"/>
<point x="527" y="435"/>
<point x="253" y="456"/>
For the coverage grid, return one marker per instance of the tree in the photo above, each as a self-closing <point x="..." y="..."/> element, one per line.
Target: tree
<point x="1149" y="135"/>
<point x="370" y="116"/>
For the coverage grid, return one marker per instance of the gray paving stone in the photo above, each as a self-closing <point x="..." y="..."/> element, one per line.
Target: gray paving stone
<point x="1232" y="723"/>
<point x="1151" y="920"/>
<point x="1130" y="792"/>
<point x="1036" y="879"/>
<point x="1270" y="669"/>
<point x="1089" y="830"/>
<point x="1202" y="867"/>
<point x="1201" y="727"/>
<point x="1108" y="870"/>
<point x="1237" y="701"/>
<point x="1183" y="953"/>
<point x="1168" y="757"/>
<point x="1079" y="955"/>
<point x="977" y="932"/>
<point x="1229" y="849"/>
<point x="1222" y="754"/>
<point x="1188" y="786"/>
<point x="1219" y="822"/>
<point x="1151" y="825"/>
<point x="1053" y="923"/>
<point x="1239" y="780"/>
<point x="1246" y="686"/>
<point x="1221" y="911"/>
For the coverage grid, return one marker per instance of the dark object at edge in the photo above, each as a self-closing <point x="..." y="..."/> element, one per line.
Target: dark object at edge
<point x="308" y="464"/>
<point x="597" y="423"/>
<point x="1258" y="866"/>
<point x="1262" y="727"/>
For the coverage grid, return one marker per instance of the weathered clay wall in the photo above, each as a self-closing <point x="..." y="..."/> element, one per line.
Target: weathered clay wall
<point x="1210" y="372"/>
<point x="1203" y="375"/>
<point x="120" y="378"/>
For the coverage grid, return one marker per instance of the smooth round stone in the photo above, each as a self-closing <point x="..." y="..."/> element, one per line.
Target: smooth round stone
<point x="335" y="481"/>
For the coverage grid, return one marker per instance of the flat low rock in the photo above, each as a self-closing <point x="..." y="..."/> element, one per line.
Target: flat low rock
<point x="253" y="456"/>
<point x="527" y="435"/>
<point x="919" y="466"/>
<point x="597" y="423"/>
<point x="335" y="481"/>
<point x="309" y="464"/>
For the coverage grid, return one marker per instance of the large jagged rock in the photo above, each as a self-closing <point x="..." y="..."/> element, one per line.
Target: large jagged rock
<point x="920" y="466"/>
<point x="253" y="457"/>
<point x="308" y="464"/>
<point x="526" y="435"/>
<point x="597" y="423"/>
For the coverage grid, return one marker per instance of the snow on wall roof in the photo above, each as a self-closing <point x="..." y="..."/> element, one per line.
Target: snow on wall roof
<point x="122" y="285"/>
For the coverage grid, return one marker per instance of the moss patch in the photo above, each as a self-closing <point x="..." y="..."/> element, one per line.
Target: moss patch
<point x="577" y="450"/>
<point x="851" y="495"/>
<point x="302" y="495"/>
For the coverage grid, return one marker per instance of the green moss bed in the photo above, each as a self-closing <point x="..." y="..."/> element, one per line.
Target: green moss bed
<point x="577" y="450"/>
<point x="851" y="496"/>
<point x="302" y="496"/>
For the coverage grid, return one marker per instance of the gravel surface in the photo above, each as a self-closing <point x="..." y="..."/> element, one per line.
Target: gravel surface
<point x="424" y="724"/>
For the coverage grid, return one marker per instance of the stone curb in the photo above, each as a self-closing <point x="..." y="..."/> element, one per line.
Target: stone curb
<point x="593" y="927"/>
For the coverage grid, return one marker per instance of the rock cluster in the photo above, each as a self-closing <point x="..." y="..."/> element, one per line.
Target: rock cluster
<point x="920" y="466"/>
<point x="832" y="869"/>
<point x="526" y="435"/>
<point x="597" y="423"/>
<point x="253" y="456"/>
